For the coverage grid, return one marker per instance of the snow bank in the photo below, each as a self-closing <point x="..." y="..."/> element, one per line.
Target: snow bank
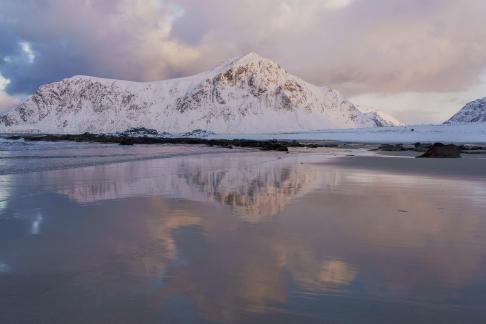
<point x="457" y="133"/>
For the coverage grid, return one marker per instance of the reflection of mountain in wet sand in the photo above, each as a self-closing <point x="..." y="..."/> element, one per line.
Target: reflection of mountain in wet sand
<point x="327" y="249"/>
<point x="372" y="236"/>
<point x="255" y="187"/>
<point x="255" y="192"/>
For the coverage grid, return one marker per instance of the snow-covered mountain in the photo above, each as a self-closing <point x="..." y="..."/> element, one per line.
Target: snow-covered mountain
<point x="380" y="118"/>
<point x="249" y="94"/>
<point x="473" y="112"/>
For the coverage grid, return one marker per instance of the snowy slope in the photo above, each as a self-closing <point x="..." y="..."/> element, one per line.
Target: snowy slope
<point x="380" y="118"/>
<point x="457" y="133"/>
<point x="250" y="94"/>
<point x="473" y="112"/>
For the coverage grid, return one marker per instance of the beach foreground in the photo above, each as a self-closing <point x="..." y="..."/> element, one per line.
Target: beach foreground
<point x="93" y="233"/>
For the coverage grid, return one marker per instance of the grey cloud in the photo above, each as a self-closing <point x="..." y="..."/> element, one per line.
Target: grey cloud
<point x="369" y="46"/>
<point x="376" y="46"/>
<point x="127" y="39"/>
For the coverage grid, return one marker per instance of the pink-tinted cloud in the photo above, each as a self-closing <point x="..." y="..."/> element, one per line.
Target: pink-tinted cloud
<point x="7" y="102"/>
<point x="365" y="45"/>
<point x="357" y="46"/>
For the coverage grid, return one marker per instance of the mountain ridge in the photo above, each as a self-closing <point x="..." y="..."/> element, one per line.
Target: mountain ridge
<point x="248" y="94"/>
<point x="473" y="112"/>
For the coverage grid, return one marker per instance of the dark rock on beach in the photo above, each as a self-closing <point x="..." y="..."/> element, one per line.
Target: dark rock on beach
<point x="393" y="148"/>
<point x="439" y="150"/>
<point x="198" y="133"/>
<point x="140" y="131"/>
<point x="420" y="147"/>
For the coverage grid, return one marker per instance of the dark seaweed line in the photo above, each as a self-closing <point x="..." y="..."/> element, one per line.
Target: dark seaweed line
<point x="264" y="145"/>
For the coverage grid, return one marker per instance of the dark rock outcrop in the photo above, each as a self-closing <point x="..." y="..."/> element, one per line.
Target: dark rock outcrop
<point x="439" y="150"/>
<point x="264" y="145"/>
<point x="140" y="131"/>
<point x="393" y="148"/>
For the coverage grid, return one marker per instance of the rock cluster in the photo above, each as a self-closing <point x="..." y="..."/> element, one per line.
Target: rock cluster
<point x="439" y="150"/>
<point x="264" y="145"/>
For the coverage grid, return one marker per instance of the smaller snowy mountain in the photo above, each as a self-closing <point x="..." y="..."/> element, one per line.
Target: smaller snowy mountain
<point x="473" y="112"/>
<point x="380" y="118"/>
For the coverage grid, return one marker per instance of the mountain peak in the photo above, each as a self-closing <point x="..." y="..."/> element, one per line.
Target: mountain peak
<point x="250" y="58"/>
<point x="381" y="118"/>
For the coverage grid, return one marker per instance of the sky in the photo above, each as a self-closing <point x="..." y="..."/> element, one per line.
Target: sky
<point x="419" y="60"/>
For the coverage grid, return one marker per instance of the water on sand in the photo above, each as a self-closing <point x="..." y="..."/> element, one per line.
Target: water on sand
<point x="186" y="235"/>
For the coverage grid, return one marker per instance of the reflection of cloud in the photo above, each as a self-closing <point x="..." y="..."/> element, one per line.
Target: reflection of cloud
<point x="5" y="188"/>
<point x="368" y="235"/>
<point x="169" y="225"/>
<point x="4" y="268"/>
<point x="256" y="188"/>
<point x="35" y="227"/>
<point x="336" y="273"/>
<point x="157" y="248"/>
<point x="318" y="244"/>
<point x="432" y="225"/>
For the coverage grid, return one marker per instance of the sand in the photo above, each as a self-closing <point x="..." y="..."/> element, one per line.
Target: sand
<point x="472" y="167"/>
<point x="184" y="235"/>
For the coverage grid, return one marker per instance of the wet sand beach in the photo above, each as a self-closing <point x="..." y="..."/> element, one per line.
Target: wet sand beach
<point x="469" y="167"/>
<point x="178" y="234"/>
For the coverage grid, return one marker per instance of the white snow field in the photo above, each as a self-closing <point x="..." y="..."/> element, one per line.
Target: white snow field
<point x="474" y="133"/>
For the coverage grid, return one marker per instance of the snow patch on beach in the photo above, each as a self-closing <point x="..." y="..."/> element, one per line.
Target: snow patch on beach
<point x="457" y="133"/>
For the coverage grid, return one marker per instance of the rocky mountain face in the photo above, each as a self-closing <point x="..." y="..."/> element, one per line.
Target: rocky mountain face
<point x="473" y="112"/>
<point x="249" y="94"/>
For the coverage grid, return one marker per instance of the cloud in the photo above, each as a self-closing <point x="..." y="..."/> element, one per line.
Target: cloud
<point x="357" y="46"/>
<point x="366" y="46"/>
<point x="336" y="4"/>
<point x="127" y="39"/>
<point x="4" y="82"/>
<point x="6" y="101"/>
<point x="423" y="107"/>
<point x="28" y="52"/>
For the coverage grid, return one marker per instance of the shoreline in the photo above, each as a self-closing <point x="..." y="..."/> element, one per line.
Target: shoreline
<point x="458" y="134"/>
<point x="264" y="144"/>
<point x="401" y="158"/>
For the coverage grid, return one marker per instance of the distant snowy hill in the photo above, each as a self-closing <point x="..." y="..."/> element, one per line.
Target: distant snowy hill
<point x="249" y="94"/>
<point x="473" y="112"/>
<point x="380" y="118"/>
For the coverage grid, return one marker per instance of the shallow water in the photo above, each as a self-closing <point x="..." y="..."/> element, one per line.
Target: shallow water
<point x="237" y="237"/>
